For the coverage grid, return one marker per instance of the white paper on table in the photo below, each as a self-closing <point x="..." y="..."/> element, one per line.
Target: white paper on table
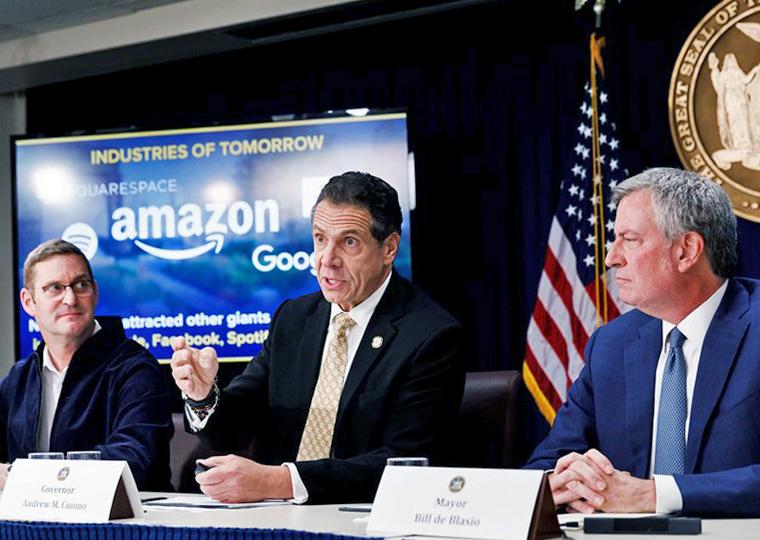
<point x="205" y="502"/>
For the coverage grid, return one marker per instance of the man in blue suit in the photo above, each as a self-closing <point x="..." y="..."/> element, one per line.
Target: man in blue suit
<point x="664" y="416"/>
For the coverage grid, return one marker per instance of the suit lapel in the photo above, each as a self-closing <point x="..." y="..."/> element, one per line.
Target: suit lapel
<point x="309" y="358"/>
<point x="718" y="354"/>
<point x="640" y="358"/>
<point x="390" y="307"/>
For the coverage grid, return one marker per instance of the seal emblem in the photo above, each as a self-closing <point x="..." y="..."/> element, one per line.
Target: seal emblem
<point x="63" y="474"/>
<point x="714" y="102"/>
<point x="456" y="484"/>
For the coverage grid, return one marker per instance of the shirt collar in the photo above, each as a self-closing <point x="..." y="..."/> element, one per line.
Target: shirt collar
<point x="362" y="313"/>
<point x="694" y="326"/>
<point x="47" y="362"/>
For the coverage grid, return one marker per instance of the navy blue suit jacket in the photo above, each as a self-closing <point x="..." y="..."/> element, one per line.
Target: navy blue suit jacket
<point x="611" y="405"/>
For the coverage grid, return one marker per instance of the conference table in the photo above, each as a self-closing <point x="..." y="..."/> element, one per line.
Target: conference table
<point x="283" y="522"/>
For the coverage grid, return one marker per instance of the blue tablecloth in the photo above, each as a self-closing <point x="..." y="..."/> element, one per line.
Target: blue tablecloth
<point x="18" y="530"/>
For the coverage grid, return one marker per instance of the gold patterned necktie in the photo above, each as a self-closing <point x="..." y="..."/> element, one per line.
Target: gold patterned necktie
<point x="320" y="424"/>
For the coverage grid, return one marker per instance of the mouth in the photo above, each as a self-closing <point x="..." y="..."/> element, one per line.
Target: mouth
<point x="332" y="283"/>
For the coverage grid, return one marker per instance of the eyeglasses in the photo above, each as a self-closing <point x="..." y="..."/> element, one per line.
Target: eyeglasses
<point x="80" y="287"/>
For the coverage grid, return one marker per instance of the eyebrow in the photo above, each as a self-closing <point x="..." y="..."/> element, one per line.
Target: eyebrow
<point x="75" y="279"/>
<point x="347" y="232"/>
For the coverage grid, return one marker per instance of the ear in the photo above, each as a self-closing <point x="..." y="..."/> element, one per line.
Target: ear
<point x="27" y="302"/>
<point x="691" y="247"/>
<point x="390" y="248"/>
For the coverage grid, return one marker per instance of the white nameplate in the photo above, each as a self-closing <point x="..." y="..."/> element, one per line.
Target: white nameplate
<point x="457" y="502"/>
<point x="75" y="491"/>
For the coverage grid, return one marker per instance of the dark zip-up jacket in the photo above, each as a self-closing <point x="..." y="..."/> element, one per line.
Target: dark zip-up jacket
<point x="114" y="399"/>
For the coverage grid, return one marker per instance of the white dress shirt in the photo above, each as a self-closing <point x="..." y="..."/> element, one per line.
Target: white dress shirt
<point x="361" y="315"/>
<point x="52" y="383"/>
<point x="694" y="326"/>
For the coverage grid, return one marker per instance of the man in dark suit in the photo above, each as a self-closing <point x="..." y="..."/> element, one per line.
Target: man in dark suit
<point x="366" y="369"/>
<point x="664" y="414"/>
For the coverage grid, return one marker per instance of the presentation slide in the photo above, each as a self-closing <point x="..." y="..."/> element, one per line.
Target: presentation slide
<point x="199" y="232"/>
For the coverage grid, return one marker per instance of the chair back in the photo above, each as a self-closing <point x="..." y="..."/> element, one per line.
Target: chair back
<point x="487" y="431"/>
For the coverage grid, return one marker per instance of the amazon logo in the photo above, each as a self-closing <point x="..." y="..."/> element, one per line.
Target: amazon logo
<point x="211" y="221"/>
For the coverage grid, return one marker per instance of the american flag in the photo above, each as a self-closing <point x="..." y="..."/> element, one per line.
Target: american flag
<point x="567" y="308"/>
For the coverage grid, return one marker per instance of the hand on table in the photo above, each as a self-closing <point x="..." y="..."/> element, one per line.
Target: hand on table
<point x="234" y="479"/>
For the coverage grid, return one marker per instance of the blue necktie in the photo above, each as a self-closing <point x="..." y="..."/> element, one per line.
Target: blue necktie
<point x="670" y="453"/>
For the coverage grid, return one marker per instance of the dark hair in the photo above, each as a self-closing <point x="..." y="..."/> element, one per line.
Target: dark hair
<point x="684" y="201"/>
<point x="48" y="249"/>
<point x="366" y="191"/>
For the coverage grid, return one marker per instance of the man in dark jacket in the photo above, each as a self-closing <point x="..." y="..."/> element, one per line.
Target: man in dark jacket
<point x="87" y="386"/>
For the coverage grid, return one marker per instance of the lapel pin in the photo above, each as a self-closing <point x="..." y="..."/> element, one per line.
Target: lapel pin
<point x="377" y="342"/>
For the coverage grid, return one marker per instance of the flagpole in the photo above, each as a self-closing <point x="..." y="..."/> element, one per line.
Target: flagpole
<point x="600" y="275"/>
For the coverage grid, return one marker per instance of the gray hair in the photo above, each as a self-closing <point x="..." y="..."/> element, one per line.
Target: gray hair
<point x="48" y="249"/>
<point x="684" y="201"/>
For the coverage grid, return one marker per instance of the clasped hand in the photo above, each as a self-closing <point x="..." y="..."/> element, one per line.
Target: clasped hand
<point x="588" y="483"/>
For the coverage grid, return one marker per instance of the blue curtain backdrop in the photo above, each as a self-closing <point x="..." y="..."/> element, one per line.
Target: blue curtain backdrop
<point x="491" y="91"/>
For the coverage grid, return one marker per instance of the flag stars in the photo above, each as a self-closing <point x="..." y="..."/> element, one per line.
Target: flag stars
<point x="603" y="97"/>
<point x="591" y="220"/>
<point x="577" y="235"/>
<point x="571" y="210"/>
<point x="577" y="170"/>
<point x="610" y="226"/>
<point x="589" y="112"/>
<point x="579" y="149"/>
<point x="611" y="206"/>
<point x="573" y="190"/>
<point x="614" y="164"/>
<point x="602" y="139"/>
<point x="614" y="143"/>
<point x="586" y="131"/>
<point x="586" y="152"/>
<point x="590" y="240"/>
<point x="594" y="199"/>
<point x="589" y="260"/>
<point x="613" y="184"/>
<point x="603" y="118"/>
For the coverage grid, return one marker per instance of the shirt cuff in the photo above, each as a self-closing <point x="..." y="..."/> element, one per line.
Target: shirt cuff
<point x="196" y="424"/>
<point x="667" y="495"/>
<point x="300" y="493"/>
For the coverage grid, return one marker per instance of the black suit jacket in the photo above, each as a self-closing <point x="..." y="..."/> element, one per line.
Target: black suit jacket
<point x="397" y="401"/>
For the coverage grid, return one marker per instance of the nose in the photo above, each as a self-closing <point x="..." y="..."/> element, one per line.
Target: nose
<point x="614" y="258"/>
<point x="69" y="298"/>
<point x="329" y="255"/>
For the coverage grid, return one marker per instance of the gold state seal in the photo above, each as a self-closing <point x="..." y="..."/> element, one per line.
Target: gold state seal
<point x="714" y="102"/>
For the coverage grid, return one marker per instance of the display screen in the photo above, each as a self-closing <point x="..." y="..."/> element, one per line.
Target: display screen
<point x="198" y="232"/>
